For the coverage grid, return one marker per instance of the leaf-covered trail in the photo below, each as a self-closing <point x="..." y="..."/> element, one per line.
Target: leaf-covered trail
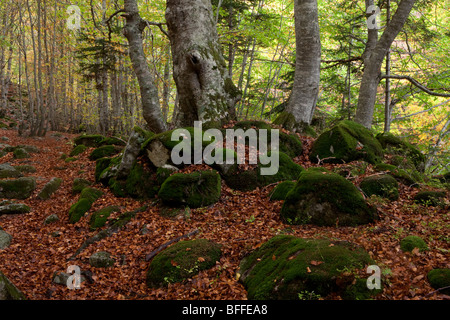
<point x="240" y="221"/>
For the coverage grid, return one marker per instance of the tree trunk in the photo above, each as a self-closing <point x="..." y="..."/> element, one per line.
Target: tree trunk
<point x="373" y="60"/>
<point x="133" y="29"/>
<point x="206" y="91"/>
<point x="301" y="105"/>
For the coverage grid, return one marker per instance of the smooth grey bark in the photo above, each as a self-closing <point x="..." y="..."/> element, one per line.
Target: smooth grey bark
<point x="373" y="59"/>
<point x="133" y="29"/>
<point x="206" y="92"/>
<point x="305" y="90"/>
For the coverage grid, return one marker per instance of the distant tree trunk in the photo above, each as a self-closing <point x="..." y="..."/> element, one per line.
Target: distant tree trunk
<point x="303" y="100"/>
<point x="373" y="57"/>
<point x="133" y="29"/>
<point x="206" y="91"/>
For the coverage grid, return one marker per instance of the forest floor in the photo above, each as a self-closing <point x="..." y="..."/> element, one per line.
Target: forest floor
<point x="240" y="222"/>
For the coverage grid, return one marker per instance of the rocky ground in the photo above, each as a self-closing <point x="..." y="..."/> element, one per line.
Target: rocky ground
<point x="239" y="221"/>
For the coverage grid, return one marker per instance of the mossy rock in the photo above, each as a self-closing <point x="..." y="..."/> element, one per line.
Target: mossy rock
<point x="326" y="199"/>
<point x="8" y="291"/>
<point x="101" y="165"/>
<point x="285" y="266"/>
<point x="92" y="140"/>
<point x="28" y="148"/>
<point x="440" y="278"/>
<point x="26" y="168"/>
<point x="181" y="261"/>
<point x="287" y="121"/>
<point x="252" y="124"/>
<point x="79" y="184"/>
<point x="20" y="188"/>
<point x="140" y="183"/>
<point x="49" y="188"/>
<point x="397" y="146"/>
<point x="21" y="153"/>
<point x="430" y="198"/>
<point x="345" y="142"/>
<point x="380" y="185"/>
<point x="5" y="239"/>
<point x="281" y="190"/>
<point x="70" y="159"/>
<point x="408" y="244"/>
<point x="51" y="219"/>
<point x="113" y="141"/>
<point x="104" y="151"/>
<point x="219" y="159"/>
<point x="197" y="189"/>
<point x="8" y="171"/>
<point x="101" y="259"/>
<point x="87" y="197"/>
<point x="78" y="150"/>
<point x="253" y="178"/>
<point x="164" y="172"/>
<point x="14" y="208"/>
<point x="98" y="218"/>
<point x="410" y="178"/>
<point x="290" y="144"/>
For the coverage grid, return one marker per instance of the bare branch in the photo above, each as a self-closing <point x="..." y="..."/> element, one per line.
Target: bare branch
<point x="417" y="84"/>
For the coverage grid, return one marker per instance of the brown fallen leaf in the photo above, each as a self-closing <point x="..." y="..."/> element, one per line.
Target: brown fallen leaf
<point x="316" y="263"/>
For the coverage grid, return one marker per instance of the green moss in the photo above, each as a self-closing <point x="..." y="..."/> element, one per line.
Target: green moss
<point x="440" y="278"/>
<point x="197" y="189"/>
<point x="93" y="140"/>
<point x="98" y="218"/>
<point x="430" y="198"/>
<point x="21" y="188"/>
<point x="252" y="179"/>
<point x="101" y="259"/>
<point x="100" y="166"/>
<point x="398" y="146"/>
<point x="79" y="184"/>
<point x="9" y="289"/>
<point x="281" y="190"/>
<point x="346" y="142"/>
<point x="163" y="173"/>
<point x="78" y="150"/>
<point x="290" y="144"/>
<point x="87" y="197"/>
<point x="286" y="120"/>
<point x="21" y="153"/>
<point x="408" y="244"/>
<point x="181" y="261"/>
<point x="112" y="141"/>
<point x="104" y="151"/>
<point x="381" y="185"/>
<point x="412" y="178"/>
<point x="50" y="188"/>
<point x="325" y="199"/>
<point x="25" y="168"/>
<point x="286" y="265"/>
<point x="70" y="159"/>
<point x="255" y="124"/>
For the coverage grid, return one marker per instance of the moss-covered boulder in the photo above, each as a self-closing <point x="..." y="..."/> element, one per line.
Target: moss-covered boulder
<point x="440" y="279"/>
<point x="253" y="178"/>
<point x="197" y="189"/>
<point x="140" y="183"/>
<point x="286" y="266"/>
<point x="25" y="168"/>
<point x="79" y="184"/>
<point x="87" y="198"/>
<point x="8" y="291"/>
<point x="289" y="144"/>
<point x="92" y="140"/>
<point x="406" y="151"/>
<point x="13" y="208"/>
<point x="8" y="171"/>
<point x="409" y="243"/>
<point x="101" y="259"/>
<point x="380" y="185"/>
<point x="49" y="188"/>
<point x="20" y="188"/>
<point x="104" y="151"/>
<point x="98" y="218"/>
<point x="345" y="142"/>
<point x="325" y="199"/>
<point x="407" y="177"/>
<point x="181" y="261"/>
<point x="281" y="190"/>
<point x="430" y="198"/>
<point x="5" y="239"/>
<point x="21" y="153"/>
<point x="79" y="149"/>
